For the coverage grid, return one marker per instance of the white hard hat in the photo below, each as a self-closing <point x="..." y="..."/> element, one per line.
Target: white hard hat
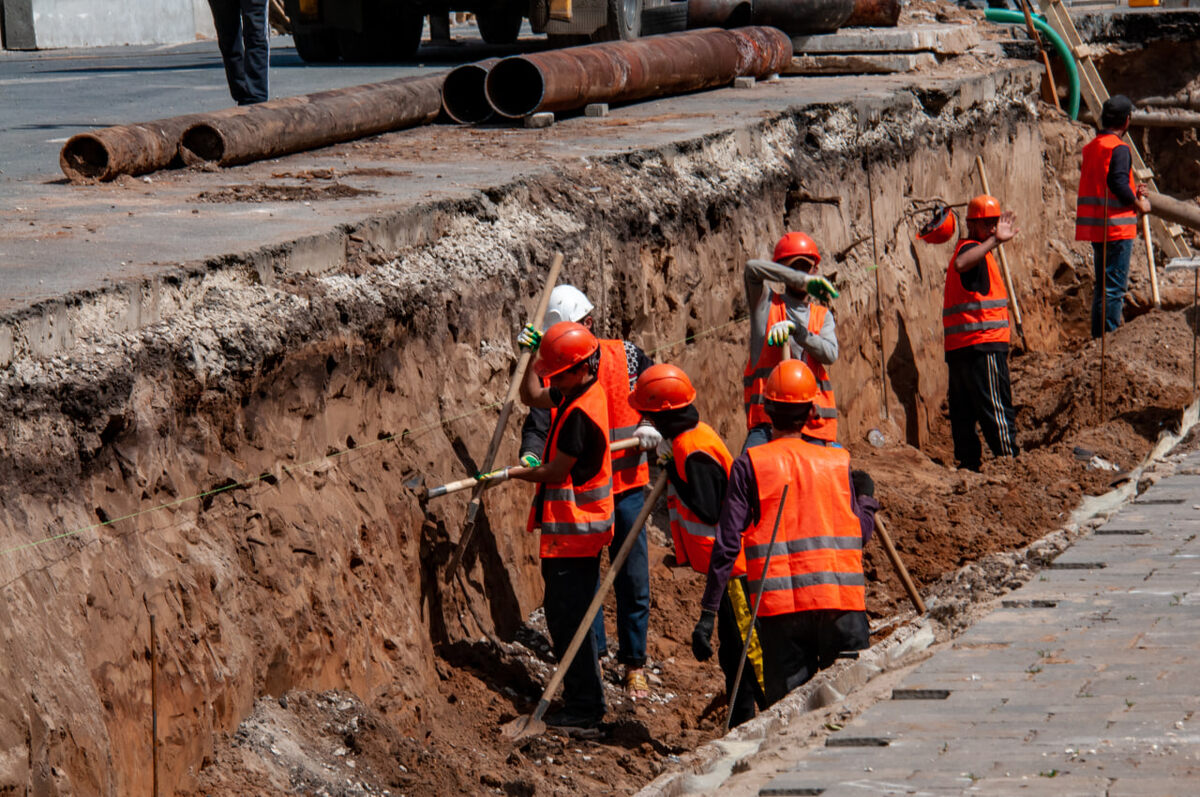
<point x="567" y="303"/>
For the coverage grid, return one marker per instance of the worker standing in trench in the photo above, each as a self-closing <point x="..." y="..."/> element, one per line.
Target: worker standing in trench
<point x="976" y="331"/>
<point x="813" y="604"/>
<point x="573" y="505"/>
<point x="620" y="364"/>
<point x="1106" y="212"/>
<point x="697" y="464"/>
<point x="789" y="318"/>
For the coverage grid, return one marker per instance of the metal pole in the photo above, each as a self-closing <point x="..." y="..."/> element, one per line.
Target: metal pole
<point x="878" y="297"/>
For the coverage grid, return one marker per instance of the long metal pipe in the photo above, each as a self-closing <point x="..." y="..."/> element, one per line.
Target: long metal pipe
<point x="874" y="14"/>
<point x="123" y="149"/>
<point x="463" y="96"/>
<point x="294" y="124"/>
<point x="1171" y="209"/>
<point x="658" y="66"/>
<point x="802" y="17"/>
<point x="718" y="13"/>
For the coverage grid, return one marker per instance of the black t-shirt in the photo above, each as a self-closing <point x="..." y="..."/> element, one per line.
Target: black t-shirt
<point x="976" y="280"/>
<point x="704" y="492"/>
<point x="580" y="437"/>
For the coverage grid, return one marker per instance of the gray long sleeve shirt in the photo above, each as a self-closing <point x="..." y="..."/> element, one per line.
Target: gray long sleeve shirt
<point x="822" y="347"/>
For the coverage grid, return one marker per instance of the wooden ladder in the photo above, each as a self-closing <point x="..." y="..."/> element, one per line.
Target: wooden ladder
<point x="1169" y="236"/>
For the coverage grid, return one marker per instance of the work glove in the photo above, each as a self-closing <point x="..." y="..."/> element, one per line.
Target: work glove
<point x="530" y="459"/>
<point x="779" y="333"/>
<point x="498" y="475"/>
<point x="863" y="483"/>
<point x="702" y="635"/>
<point x="530" y="337"/>
<point x="665" y="451"/>
<point x="821" y="289"/>
<point x="648" y="437"/>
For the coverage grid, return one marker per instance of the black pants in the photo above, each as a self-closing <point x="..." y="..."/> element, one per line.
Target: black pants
<point x="731" y="636"/>
<point x="980" y="393"/>
<point x="570" y="585"/>
<point x="796" y="646"/>
<point x="242" y="36"/>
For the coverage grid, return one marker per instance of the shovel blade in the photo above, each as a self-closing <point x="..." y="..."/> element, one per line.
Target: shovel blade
<point x="523" y="727"/>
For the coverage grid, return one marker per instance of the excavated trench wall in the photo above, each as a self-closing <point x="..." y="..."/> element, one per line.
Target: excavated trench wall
<point x="301" y="409"/>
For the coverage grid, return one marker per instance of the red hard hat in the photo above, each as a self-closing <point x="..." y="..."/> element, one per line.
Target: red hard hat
<point x="662" y="387"/>
<point x="983" y="207"/>
<point x="940" y="228"/>
<point x="564" y="345"/>
<point x="793" y="244"/>
<point x="791" y="382"/>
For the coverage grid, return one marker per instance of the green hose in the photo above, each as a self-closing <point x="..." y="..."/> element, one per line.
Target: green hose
<point x="1008" y="16"/>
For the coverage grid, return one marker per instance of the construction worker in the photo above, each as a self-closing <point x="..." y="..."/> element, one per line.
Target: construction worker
<point x="813" y="600"/>
<point x="244" y="38"/>
<point x="790" y="318"/>
<point x="1106" y="212"/>
<point x="620" y="364"/>
<point x="697" y="464"/>
<point x="975" y="325"/>
<point x="573" y="506"/>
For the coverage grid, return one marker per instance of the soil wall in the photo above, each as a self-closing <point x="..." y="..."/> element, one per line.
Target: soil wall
<point x="244" y="470"/>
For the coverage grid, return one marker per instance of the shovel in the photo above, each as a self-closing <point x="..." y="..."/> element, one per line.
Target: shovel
<point x="465" y="484"/>
<point x="530" y="725"/>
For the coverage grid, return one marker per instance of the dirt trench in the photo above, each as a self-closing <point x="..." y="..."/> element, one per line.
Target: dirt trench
<point x="246" y="470"/>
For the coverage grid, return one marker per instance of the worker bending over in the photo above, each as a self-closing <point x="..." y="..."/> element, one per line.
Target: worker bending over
<point x="573" y="505"/>
<point x="814" y="594"/>
<point x="1106" y="211"/>
<point x="620" y="364"/>
<point x="697" y="464"/>
<point x="975" y="324"/>
<point x="794" y="319"/>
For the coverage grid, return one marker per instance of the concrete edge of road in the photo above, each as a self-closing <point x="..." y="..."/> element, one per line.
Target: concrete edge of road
<point x="711" y="764"/>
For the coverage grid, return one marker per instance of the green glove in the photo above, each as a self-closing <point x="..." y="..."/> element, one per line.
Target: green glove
<point x="530" y="337"/>
<point x="530" y="460"/>
<point x="821" y="289"/>
<point x="499" y="475"/>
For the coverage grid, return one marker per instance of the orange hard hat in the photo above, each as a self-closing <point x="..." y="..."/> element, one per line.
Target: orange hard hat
<point x="940" y="228"/>
<point x="791" y="382"/>
<point x="793" y="244"/>
<point x="983" y="207"/>
<point x="662" y="387"/>
<point x="565" y="345"/>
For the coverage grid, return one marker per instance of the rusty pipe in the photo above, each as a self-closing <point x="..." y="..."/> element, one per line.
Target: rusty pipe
<point x="718" y="13"/>
<point x="463" y="97"/>
<point x="1186" y="214"/>
<point x="874" y="14"/>
<point x="804" y="17"/>
<point x="294" y="124"/>
<point x="658" y="66"/>
<point x="124" y="149"/>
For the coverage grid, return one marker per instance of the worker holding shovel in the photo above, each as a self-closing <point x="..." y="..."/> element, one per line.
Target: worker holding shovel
<point x="697" y="464"/>
<point x="803" y="552"/>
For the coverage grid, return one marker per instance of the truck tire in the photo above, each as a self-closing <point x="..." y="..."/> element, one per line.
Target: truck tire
<point x="500" y="23"/>
<point x="315" y="44"/>
<point x="391" y="32"/>
<point x="665" y="19"/>
<point x="623" y="22"/>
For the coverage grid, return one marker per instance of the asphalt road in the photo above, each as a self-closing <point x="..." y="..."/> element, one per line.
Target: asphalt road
<point x="47" y="97"/>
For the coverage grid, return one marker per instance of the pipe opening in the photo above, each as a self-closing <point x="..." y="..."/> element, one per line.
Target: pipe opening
<point x="85" y="157"/>
<point x="202" y="142"/>
<point x="515" y="87"/>
<point x="464" y="98"/>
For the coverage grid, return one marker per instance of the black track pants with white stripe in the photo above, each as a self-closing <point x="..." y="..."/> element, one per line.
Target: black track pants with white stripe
<point x="980" y="393"/>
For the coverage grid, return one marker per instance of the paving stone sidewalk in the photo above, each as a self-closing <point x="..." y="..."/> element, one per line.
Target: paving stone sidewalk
<point x="1082" y="682"/>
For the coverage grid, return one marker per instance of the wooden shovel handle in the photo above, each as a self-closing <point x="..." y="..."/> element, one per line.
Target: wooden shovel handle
<point x="894" y="556"/>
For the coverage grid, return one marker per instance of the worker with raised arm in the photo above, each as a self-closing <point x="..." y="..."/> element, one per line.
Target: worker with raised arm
<point x="1106" y="211"/>
<point x="573" y="506"/>
<point x="813" y="603"/>
<point x="620" y="364"/>
<point x="794" y="318"/>
<point x="697" y="464"/>
<point x="975" y="326"/>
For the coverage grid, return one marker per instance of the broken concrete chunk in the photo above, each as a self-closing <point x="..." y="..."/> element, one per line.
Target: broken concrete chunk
<point x="860" y="64"/>
<point x="941" y="39"/>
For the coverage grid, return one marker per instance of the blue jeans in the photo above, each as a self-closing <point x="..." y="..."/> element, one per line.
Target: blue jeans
<point x="632" y="586"/>
<point x="1116" y="265"/>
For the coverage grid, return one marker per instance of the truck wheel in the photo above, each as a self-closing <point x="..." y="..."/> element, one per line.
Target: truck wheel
<point x="500" y="23"/>
<point x="315" y="43"/>
<point x="665" y="19"/>
<point x="623" y="22"/>
<point x="391" y="32"/>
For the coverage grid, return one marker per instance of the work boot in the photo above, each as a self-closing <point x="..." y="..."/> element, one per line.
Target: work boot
<point x="573" y="719"/>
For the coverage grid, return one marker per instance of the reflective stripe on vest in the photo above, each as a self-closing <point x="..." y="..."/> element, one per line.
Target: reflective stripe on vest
<point x="630" y="468"/>
<point x="970" y="318"/>
<point x="693" y="537"/>
<point x="824" y="426"/>
<point x="576" y="520"/>
<point x="1099" y="216"/>
<point x="817" y="559"/>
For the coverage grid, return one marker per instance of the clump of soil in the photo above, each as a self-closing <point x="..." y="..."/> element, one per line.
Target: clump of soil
<point x="282" y="193"/>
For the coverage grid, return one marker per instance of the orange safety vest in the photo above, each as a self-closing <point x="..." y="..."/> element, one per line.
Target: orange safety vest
<point x="692" y="536"/>
<point x="1099" y="216"/>
<point x="576" y="519"/>
<point x="630" y="468"/>
<point x="970" y="318"/>
<point x="817" y="558"/>
<point x="754" y="378"/>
